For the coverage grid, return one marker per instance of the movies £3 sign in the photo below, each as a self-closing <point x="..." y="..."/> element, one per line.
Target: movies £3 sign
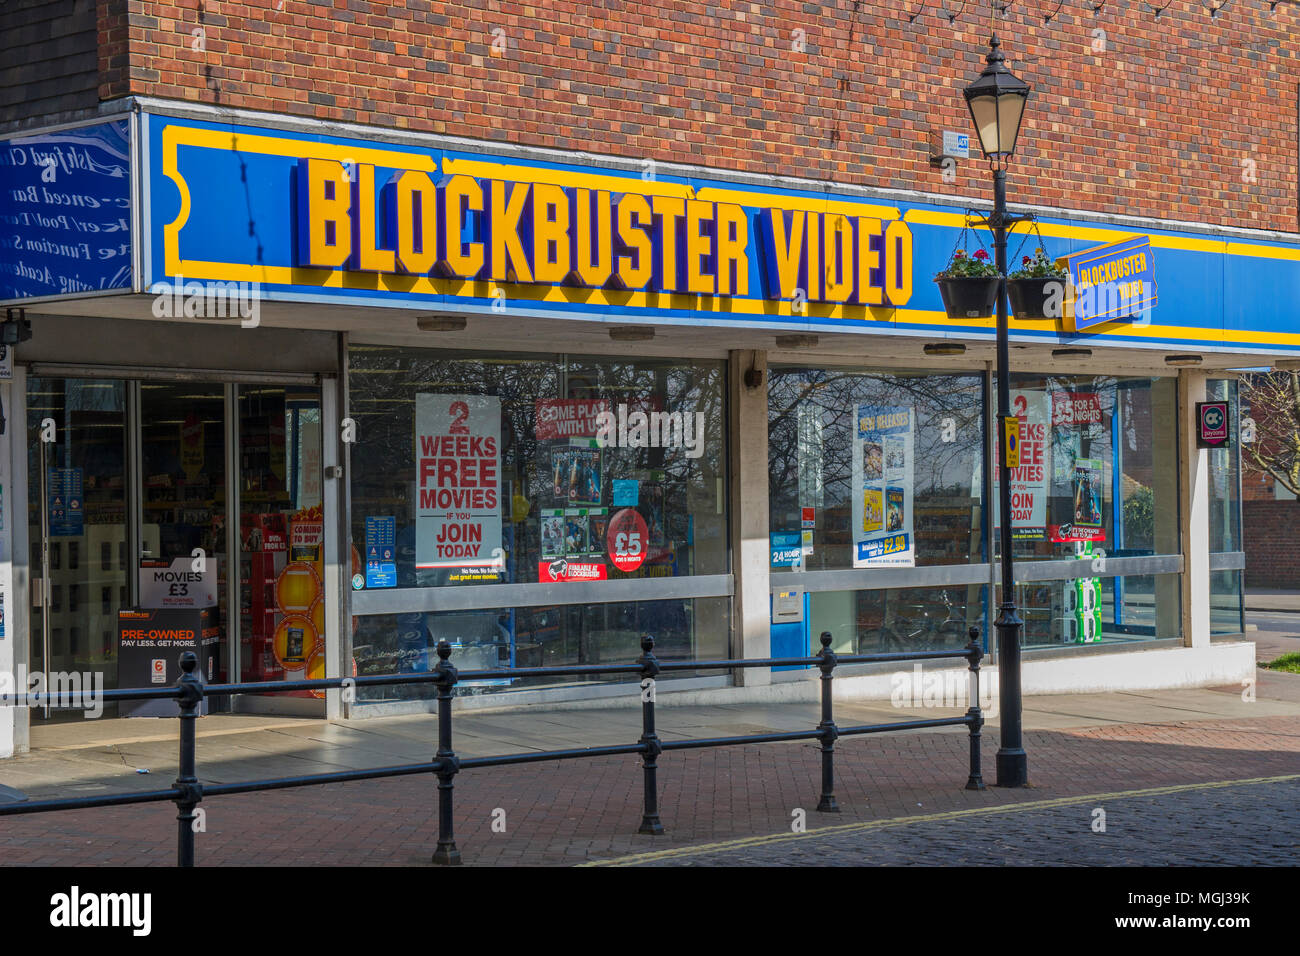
<point x="457" y="457"/>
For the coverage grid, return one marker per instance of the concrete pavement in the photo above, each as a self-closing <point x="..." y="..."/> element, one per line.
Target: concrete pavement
<point x="1272" y="599"/>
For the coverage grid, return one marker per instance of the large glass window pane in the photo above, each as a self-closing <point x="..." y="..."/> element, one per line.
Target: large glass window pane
<point x="1225" y="475"/>
<point x="1097" y="470"/>
<point x="483" y="469"/>
<point x="85" y="516"/>
<point x="857" y="458"/>
<point x="281" y="533"/>
<point x="1226" y="603"/>
<point x="1099" y="610"/>
<point x="183" y="457"/>
<point x="536" y="637"/>
<point x="546" y="487"/>
<point x="897" y="619"/>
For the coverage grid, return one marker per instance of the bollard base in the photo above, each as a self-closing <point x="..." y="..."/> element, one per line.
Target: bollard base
<point x="446" y="855"/>
<point x="976" y="782"/>
<point x="651" y="826"/>
<point x="827" y="804"/>
<point x="1013" y="768"/>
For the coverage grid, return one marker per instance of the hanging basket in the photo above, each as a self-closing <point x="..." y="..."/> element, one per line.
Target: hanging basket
<point x="1030" y="298"/>
<point x="970" y="297"/>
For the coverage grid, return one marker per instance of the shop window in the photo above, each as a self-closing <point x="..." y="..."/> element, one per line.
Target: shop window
<point x="1225" y="475"/>
<point x="536" y="637"/>
<point x="897" y="619"/>
<point x="874" y="469"/>
<point x="474" y="469"/>
<point x="1097" y="473"/>
<point x="1099" y="610"/>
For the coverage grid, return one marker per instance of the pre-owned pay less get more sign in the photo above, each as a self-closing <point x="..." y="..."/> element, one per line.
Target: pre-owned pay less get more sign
<point x="508" y="231"/>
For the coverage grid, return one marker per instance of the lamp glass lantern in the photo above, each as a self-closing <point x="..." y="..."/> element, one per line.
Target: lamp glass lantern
<point x="996" y="101"/>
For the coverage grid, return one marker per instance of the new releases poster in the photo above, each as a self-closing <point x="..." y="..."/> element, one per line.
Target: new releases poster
<point x="576" y="474"/>
<point x="1087" y="499"/>
<point x="883" y="458"/>
<point x="458" y="481"/>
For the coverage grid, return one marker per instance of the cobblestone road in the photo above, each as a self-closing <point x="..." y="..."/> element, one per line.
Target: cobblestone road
<point x="1246" y="824"/>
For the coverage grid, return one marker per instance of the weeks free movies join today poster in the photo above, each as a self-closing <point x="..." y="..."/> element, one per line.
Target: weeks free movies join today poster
<point x="883" y="456"/>
<point x="458" y="480"/>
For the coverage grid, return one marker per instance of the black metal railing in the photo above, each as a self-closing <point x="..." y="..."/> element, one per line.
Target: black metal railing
<point x="189" y="692"/>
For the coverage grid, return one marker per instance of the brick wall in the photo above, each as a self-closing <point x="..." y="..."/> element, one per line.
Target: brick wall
<point x="1272" y="536"/>
<point x="1189" y="117"/>
<point x="48" y="58"/>
<point x="1256" y="486"/>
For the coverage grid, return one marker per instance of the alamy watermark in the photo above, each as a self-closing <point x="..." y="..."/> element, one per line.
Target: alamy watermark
<point x="208" y="300"/>
<point x="947" y="688"/>
<point x="65" y="690"/>
<point x="622" y="428"/>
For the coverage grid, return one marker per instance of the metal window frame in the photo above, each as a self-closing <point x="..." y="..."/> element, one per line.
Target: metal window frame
<point x="952" y="575"/>
<point x="491" y="596"/>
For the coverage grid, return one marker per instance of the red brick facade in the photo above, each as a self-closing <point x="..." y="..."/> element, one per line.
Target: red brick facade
<point x="1186" y="117"/>
<point x="1271" y="530"/>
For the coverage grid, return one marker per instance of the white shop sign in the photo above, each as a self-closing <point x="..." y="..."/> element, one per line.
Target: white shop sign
<point x="178" y="584"/>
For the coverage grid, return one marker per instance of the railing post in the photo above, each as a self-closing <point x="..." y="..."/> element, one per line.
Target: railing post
<point x="188" y="791"/>
<point x="974" y="716"/>
<point x="650" y="822"/>
<point x="830" y="733"/>
<point x="446" y="852"/>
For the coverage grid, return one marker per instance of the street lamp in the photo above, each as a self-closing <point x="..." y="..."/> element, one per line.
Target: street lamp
<point x="997" y="104"/>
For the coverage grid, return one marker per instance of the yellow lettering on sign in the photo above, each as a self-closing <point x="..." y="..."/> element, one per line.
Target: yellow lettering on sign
<point x="837" y="240"/>
<point x="551" y="259"/>
<point x="865" y="292"/>
<point x="733" y="249"/>
<point x="369" y="258"/>
<point x="812" y="257"/>
<point x="456" y="258"/>
<point x="593" y="271"/>
<point x="667" y="210"/>
<point x="699" y="248"/>
<point x="507" y="261"/>
<point x="325" y="236"/>
<point x="636" y="257"/>
<point x="415" y="220"/>
<point x="898" y="262"/>
<point x="786" y="250"/>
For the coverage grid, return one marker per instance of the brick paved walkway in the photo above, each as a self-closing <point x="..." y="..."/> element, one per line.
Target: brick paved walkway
<point x="577" y="811"/>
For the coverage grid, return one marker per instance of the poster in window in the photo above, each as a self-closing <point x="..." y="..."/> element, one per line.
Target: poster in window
<point x="576" y="474"/>
<point x="1030" y="482"/>
<point x="883" y="464"/>
<point x="1086" y="503"/>
<point x="652" y="509"/>
<point x="553" y="533"/>
<point x="577" y="536"/>
<point x="458" y="480"/>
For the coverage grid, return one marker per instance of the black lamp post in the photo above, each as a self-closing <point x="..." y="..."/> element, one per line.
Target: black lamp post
<point x="997" y="103"/>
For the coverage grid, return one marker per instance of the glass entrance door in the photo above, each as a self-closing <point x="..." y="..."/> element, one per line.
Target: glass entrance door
<point x="183" y="489"/>
<point x="77" y="524"/>
<point x="281" y="535"/>
<point x="126" y="476"/>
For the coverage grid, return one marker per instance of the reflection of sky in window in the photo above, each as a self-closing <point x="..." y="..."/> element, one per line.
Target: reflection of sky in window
<point x="941" y="468"/>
